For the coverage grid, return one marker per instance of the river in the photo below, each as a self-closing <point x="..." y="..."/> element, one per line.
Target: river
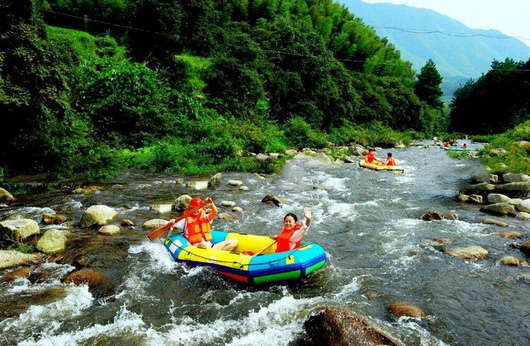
<point x="379" y="251"/>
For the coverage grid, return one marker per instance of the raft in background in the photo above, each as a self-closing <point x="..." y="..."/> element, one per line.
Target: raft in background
<point x="269" y="267"/>
<point x="376" y="167"/>
<point x="454" y="148"/>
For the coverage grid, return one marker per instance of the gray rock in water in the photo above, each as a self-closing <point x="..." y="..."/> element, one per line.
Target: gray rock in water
<point x="499" y="209"/>
<point x="497" y="198"/>
<point x="339" y="327"/>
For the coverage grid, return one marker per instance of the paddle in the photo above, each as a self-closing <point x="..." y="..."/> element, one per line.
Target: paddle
<point x="265" y="248"/>
<point x="160" y="231"/>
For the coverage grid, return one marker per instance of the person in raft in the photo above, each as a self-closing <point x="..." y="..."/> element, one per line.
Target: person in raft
<point x="292" y="233"/>
<point x="390" y="160"/>
<point x="197" y="230"/>
<point x="464" y="146"/>
<point x="370" y="157"/>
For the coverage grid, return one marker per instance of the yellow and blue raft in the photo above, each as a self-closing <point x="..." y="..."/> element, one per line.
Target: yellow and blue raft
<point x="376" y="167"/>
<point x="241" y="265"/>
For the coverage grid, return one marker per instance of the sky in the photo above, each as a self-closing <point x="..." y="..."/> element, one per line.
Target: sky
<point x="511" y="17"/>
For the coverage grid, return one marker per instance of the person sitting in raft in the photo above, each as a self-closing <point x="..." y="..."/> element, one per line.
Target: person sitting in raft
<point x="464" y="146"/>
<point x="292" y="233"/>
<point x="389" y="160"/>
<point x="197" y="230"/>
<point x="370" y="157"/>
<point x="446" y="144"/>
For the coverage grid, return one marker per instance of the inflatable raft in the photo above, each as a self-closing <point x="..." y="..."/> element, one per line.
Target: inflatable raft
<point x="268" y="267"/>
<point x="455" y="148"/>
<point x="376" y="167"/>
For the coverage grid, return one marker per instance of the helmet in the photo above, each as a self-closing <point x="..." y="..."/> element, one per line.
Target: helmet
<point x="195" y="202"/>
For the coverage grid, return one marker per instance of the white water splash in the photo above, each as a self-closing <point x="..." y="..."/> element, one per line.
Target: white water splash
<point x="347" y="290"/>
<point x="125" y="322"/>
<point x="49" y="317"/>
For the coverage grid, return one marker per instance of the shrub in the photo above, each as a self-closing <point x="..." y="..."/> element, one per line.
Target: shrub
<point x="300" y="134"/>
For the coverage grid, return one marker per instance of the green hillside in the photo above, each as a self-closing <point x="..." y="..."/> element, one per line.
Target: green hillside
<point x="195" y="86"/>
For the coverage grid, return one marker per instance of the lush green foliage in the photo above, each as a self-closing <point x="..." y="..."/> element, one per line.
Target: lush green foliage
<point x="428" y="86"/>
<point x="195" y="86"/>
<point x="21" y="247"/>
<point x="494" y="103"/>
<point x="509" y="152"/>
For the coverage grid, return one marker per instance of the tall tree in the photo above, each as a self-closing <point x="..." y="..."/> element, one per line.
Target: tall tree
<point x="428" y="86"/>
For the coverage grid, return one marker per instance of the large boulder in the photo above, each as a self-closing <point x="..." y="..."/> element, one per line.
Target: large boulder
<point x="97" y="215"/>
<point x="154" y="223"/>
<point x="271" y="200"/>
<point x="19" y="229"/>
<point x="12" y="258"/>
<point x="110" y="229"/>
<point x="484" y="178"/>
<point x="524" y="206"/>
<point x="480" y="187"/>
<point x="52" y="241"/>
<point x="468" y="252"/>
<point x="517" y="189"/>
<point x="339" y="327"/>
<point x="497" y="198"/>
<point x="515" y="177"/>
<point x="499" y="209"/>
<point x="182" y="202"/>
<point x="83" y="276"/>
<point x="5" y="196"/>
<point x="216" y="180"/>
<point x="400" y="309"/>
<point x="161" y="208"/>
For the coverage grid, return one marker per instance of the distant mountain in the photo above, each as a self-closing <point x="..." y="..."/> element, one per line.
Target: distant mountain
<point x="459" y="52"/>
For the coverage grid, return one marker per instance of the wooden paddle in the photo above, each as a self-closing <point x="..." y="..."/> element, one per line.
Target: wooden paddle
<point x="160" y="231"/>
<point x="265" y="248"/>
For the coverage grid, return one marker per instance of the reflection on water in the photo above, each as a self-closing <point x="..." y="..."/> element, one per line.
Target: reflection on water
<point x="379" y="252"/>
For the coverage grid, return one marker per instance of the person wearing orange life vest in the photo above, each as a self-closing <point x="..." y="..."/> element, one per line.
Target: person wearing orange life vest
<point x="390" y="160"/>
<point x="292" y="233"/>
<point x="197" y="229"/>
<point x="370" y="157"/>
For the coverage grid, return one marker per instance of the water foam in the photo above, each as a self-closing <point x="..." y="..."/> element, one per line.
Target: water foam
<point x="275" y="324"/>
<point x="48" y="317"/>
<point x="125" y="322"/>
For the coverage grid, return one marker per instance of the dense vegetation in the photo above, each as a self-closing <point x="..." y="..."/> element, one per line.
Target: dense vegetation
<point x="194" y="86"/>
<point x="494" y="103"/>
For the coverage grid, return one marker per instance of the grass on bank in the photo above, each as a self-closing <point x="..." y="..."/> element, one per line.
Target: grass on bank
<point x="508" y="152"/>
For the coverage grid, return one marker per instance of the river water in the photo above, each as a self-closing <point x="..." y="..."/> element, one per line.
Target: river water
<point x="369" y="223"/>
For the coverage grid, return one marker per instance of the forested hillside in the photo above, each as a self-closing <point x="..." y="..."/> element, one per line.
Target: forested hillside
<point x="460" y="53"/>
<point x="194" y="86"/>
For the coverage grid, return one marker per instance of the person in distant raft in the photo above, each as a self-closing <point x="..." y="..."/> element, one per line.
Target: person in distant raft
<point x="390" y="160"/>
<point x="370" y="157"/>
<point x="197" y="228"/>
<point x="292" y="233"/>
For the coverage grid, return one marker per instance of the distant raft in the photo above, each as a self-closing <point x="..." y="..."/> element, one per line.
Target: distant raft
<point x="454" y="148"/>
<point x="240" y="265"/>
<point x="376" y="167"/>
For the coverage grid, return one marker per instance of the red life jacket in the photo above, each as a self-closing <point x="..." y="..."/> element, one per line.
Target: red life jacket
<point x="283" y="239"/>
<point x="390" y="162"/>
<point x="370" y="157"/>
<point x="198" y="228"/>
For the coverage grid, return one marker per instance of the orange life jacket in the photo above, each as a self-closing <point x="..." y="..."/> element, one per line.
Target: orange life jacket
<point x="370" y="157"/>
<point x="390" y="162"/>
<point x="283" y="239"/>
<point x="198" y="228"/>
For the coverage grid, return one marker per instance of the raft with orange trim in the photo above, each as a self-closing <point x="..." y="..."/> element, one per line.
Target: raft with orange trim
<point x="376" y="167"/>
<point x="268" y="267"/>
